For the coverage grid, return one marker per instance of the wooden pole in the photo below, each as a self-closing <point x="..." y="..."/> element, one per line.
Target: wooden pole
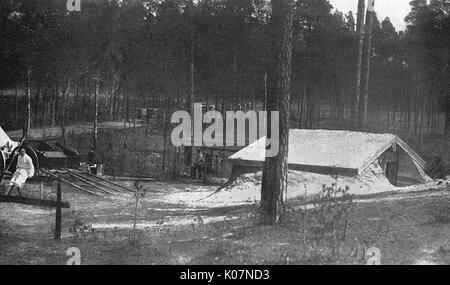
<point x="58" y="210"/>
<point x="32" y="201"/>
<point x="367" y="60"/>
<point x="360" y="32"/>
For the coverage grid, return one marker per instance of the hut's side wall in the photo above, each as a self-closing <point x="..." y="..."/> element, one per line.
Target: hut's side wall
<point x="238" y="170"/>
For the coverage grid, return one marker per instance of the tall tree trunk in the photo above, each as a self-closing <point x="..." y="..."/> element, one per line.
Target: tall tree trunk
<point x="115" y="94"/>
<point x="416" y="108"/>
<point x="166" y="115"/>
<point x="367" y="60"/>
<point x="435" y="117"/>
<point x="97" y="91"/>
<point x="360" y="32"/>
<point x="88" y="107"/>
<point x="65" y="100"/>
<point x="447" y="105"/>
<point x="253" y="100"/>
<point x="53" y="114"/>
<point x="305" y="106"/>
<point x="265" y="92"/>
<point x="430" y="110"/>
<point x="299" y="112"/>
<point x="36" y="104"/>
<point x="303" y="103"/>
<point x="191" y="99"/>
<point x="422" y="115"/>
<point x="27" y="124"/>
<point x="84" y="97"/>
<point x="16" y="106"/>
<point x="389" y="107"/>
<point x="275" y="171"/>
<point x="76" y="99"/>
<point x="341" y="103"/>
<point x="410" y="107"/>
<point x="55" y="95"/>
<point x="235" y="75"/>
<point x="126" y="99"/>
<point x="107" y="97"/>
<point x="44" y="106"/>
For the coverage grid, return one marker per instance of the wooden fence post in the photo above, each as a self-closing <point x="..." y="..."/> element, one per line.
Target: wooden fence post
<point x="58" y="210"/>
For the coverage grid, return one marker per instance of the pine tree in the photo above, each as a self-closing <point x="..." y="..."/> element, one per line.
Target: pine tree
<point x="274" y="180"/>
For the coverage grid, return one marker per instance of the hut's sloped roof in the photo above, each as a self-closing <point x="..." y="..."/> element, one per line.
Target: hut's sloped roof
<point x="325" y="151"/>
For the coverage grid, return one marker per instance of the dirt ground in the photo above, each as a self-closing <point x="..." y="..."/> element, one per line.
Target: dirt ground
<point x="408" y="229"/>
<point x="174" y="226"/>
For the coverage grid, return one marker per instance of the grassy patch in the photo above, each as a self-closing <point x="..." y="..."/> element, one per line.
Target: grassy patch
<point x="405" y="231"/>
<point x="439" y="212"/>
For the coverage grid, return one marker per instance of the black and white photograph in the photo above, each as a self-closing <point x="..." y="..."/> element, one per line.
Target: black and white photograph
<point x="235" y="134"/>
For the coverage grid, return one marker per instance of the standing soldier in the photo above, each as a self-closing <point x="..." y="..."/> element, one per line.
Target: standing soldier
<point x="92" y="160"/>
<point x="198" y="164"/>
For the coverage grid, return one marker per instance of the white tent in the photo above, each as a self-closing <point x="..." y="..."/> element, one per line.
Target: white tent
<point x="342" y="153"/>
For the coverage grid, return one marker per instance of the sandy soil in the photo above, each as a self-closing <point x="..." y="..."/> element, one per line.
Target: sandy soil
<point x="246" y="189"/>
<point x="174" y="231"/>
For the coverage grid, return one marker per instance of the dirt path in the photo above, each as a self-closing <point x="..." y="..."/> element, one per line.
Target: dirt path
<point x="173" y="232"/>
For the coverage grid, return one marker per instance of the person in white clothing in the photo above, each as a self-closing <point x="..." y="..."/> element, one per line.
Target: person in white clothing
<point x="24" y="170"/>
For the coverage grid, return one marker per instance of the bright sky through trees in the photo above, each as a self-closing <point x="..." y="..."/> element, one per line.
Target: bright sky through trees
<point x="396" y="10"/>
